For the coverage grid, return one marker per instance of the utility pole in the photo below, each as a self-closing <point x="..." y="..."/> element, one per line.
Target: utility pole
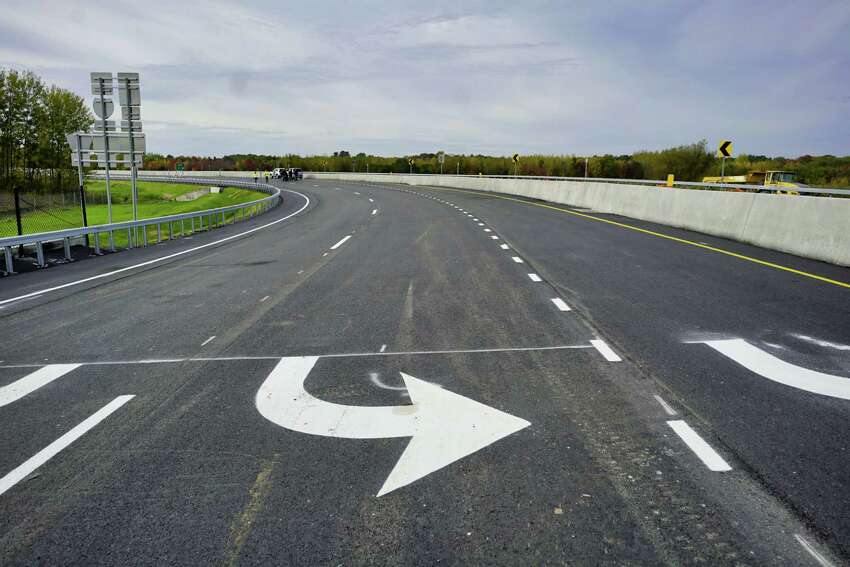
<point x="586" y="161"/>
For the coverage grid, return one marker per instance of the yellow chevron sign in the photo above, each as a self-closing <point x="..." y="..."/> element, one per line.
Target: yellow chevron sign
<point x="724" y="148"/>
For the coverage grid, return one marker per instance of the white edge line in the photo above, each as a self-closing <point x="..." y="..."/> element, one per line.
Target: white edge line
<point x="161" y="258"/>
<point x="697" y="444"/>
<point x="31" y="464"/>
<point x="668" y="409"/>
<point x="606" y="351"/>
<point x="823" y="561"/>
<point x="340" y="243"/>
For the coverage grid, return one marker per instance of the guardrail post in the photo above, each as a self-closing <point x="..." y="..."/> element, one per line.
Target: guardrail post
<point x="97" y="243"/>
<point x="144" y="228"/>
<point x="10" y="265"/>
<point x="193" y="224"/>
<point x="66" y="244"/>
<point x="181" y="228"/>
<point x="129" y="238"/>
<point x="158" y="233"/>
<point x="112" y="241"/>
<point x="39" y="254"/>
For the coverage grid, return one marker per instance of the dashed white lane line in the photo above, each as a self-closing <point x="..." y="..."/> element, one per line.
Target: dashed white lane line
<point x="383" y="348"/>
<point x="517" y="259"/>
<point x="263" y="300"/>
<point x="606" y="351"/>
<point x="374" y="211"/>
<point x="668" y="409"/>
<point x="475" y="219"/>
<point x="504" y="247"/>
<point x="494" y="237"/>
<point x="561" y="304"/>
<point x="487" y="230"/>
<point x="697" y="444"/>
<point x="356" y="193"/>
<point x="32" y="382"/>
<point x="823" y="561"/>
<point x="535" y="278"/>
<point x="208" y="341"/>
<point x="371" y="200"/>
<point x="340" y="243"/>
<point x="31" y="464"/>
<point x="481" y="224"/>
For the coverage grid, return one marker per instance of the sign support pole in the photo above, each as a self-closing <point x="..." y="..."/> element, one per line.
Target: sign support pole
<point x="106" y="151"/>
<point x="82" y="183"/>
<point x="133" y="191"/>
<point x="722" y="169"/>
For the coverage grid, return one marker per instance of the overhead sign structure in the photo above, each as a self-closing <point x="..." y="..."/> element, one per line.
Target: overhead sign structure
<point x="443" y="426"/>
<point x="724" y="149"/>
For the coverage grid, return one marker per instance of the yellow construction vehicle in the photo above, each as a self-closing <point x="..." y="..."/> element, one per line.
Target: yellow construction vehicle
<point x="787" y="180"/>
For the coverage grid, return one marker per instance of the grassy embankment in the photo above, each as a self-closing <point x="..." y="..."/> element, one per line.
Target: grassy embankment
<point x="155" y="200"/>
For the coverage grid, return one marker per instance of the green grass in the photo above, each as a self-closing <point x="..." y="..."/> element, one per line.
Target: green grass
<point x="155" y="200"/>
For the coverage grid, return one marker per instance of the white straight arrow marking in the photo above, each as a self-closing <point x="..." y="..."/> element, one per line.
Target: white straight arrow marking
<point x="756" y="360"/>
<point x="32" y="382"/>
<point x="444" y="426"/>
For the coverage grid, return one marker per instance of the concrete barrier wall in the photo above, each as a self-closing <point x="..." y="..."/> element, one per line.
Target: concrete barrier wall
<point x="812" y="227"/>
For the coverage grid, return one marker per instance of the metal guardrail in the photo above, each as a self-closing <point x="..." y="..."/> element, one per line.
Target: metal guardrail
<point x="815" y="191"/>
<point x="213" y="217"/>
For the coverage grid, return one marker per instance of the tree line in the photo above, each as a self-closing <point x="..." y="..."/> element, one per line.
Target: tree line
<point x="34" y="120"/>
<point x="688" y="162"/>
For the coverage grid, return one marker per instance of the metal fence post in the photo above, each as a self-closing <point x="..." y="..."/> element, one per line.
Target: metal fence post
<point x="10" y="265"/>
<point x="39" y="254"/>
<point x="66" y="244"/>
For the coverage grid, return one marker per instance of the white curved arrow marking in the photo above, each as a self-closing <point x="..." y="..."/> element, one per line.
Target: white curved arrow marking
<point x="444" y="426"/>
<point x="772" y="368"/>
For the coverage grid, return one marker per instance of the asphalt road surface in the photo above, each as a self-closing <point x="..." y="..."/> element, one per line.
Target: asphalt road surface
<point x="409" y="376"/>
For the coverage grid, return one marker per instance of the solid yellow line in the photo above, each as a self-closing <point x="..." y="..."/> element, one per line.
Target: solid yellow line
<point x="661" y="235"/>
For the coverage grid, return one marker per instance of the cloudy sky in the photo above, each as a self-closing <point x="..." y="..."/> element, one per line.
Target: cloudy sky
<point x="494" y="77"/>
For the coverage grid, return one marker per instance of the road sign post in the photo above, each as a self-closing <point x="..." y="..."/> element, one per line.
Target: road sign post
<point x="724" y="151"/>
<point x="410" y="163"/>
<point x="441" y="159"/>
<point x="102" y="85"/>
<point x="515" y="157"/>
<point x="81" y="180"/>
<point x="129" y="99"/>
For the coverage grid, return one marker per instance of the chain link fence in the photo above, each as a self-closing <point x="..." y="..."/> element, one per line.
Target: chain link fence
<point x="41" y="202"/>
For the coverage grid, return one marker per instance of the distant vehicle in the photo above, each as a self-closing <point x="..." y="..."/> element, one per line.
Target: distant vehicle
<point x="779" y="180"/>
<point x="297" y="173"/>
<point x="280" y="173"/>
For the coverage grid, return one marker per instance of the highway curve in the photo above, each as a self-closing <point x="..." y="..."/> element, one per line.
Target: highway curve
<point x="406" y="375"/>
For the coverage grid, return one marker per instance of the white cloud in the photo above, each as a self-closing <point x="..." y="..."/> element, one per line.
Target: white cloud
<point x="406" y="77"/>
